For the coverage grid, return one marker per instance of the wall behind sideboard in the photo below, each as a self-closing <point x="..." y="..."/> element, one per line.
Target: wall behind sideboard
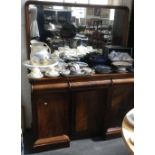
<point x="25" y="86"/>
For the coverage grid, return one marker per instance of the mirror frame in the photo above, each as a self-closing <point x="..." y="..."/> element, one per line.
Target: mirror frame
<point x="38" y="2"/>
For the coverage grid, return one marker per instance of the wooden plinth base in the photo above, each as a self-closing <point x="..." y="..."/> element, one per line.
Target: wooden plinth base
<point x="45" y="144"/>
<point x="113" y="133"/>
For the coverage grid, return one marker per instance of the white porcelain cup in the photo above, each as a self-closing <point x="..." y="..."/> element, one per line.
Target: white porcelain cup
<point x="36" y="73"/>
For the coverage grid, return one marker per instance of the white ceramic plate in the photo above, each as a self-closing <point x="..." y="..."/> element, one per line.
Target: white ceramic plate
<point x="72" y="74"/>
<point x="121" y="64"/>
<point x="130" y="117"/>
<point x="54" y="75"/>
<point x="42" y="68"/>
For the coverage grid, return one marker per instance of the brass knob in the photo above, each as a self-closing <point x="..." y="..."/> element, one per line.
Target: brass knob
<point x="45" y="103"/>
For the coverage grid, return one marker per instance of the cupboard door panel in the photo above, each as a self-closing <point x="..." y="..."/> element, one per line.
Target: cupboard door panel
<point x="122" y="102"/>
<point x="89" y="111"/>
<point x="53" y="114"/>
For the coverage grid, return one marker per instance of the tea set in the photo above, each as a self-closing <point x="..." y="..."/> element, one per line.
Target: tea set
<point x="65" y="61"/>
<point x="43" y="62"/>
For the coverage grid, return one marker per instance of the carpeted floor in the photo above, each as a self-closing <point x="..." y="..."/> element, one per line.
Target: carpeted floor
<point x="90" y="147"/>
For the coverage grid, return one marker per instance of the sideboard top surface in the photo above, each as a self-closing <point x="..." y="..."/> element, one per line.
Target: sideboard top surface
<point x="82" y="78"/>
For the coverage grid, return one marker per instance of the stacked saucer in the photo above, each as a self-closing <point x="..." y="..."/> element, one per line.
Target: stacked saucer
<point x="121" y="61"/>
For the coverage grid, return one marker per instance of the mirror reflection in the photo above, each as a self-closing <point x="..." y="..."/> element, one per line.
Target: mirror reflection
<point x="75" y="39"/>
<point x="73" y="26"/>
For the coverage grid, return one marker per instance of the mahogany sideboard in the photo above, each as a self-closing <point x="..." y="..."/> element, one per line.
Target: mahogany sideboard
<point x="67" y="108"/>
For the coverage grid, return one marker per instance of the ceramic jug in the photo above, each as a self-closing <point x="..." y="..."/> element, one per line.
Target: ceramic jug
<point x="40" y="53"/>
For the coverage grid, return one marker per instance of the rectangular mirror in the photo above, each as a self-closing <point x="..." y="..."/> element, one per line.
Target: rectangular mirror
<point x="59" y="24"/>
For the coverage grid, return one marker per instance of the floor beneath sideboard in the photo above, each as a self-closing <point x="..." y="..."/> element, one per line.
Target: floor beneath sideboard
<point x="89" y="147"/>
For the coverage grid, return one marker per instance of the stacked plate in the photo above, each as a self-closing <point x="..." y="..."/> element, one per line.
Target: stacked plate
<point x="121" y="61"/>
<point x="121" y="66"/>
<point x="120" y="56"/>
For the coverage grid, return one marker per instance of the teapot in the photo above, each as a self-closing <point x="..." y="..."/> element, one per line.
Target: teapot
<point x="40" y="53"/>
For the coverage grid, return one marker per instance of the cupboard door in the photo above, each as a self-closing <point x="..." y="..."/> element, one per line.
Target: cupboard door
<point x="89" y="112"/>
<point x="52" y="114"/>
<point x="122" y="102"/>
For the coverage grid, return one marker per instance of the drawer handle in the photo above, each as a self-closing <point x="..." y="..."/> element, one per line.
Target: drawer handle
<point x="45" y="103"/>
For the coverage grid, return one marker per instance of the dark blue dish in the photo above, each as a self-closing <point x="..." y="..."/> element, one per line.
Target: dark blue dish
<point x="103" y="69"/>
<point x="94" y="59"/>
<point x="99" y="59"/>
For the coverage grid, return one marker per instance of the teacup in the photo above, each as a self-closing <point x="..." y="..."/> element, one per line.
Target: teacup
<point x="51" y="72"/>
<point x="36" y="73"/>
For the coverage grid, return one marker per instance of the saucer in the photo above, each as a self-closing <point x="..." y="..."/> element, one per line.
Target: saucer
<point x="35" y="77"/>
<point x="56" y="74"/>
<point x="121" y="64"/>
<point x="77" y="73"/>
